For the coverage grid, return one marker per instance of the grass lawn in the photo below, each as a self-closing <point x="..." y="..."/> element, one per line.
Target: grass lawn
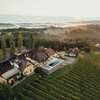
<point x="64" y="70"/>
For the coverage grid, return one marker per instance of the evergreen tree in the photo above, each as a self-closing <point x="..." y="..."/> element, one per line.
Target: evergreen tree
<point x="31" y="41"/>
<point x="3" y="45"/>
<point x="20" y="43"/>
<point x="64" y="48"/>
<point x="12" y="44"/>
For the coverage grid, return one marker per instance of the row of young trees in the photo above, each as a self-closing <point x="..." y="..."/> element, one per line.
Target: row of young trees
<point x="13" y="47"/>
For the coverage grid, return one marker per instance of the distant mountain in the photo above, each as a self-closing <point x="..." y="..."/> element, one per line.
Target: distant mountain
<point x="8" y="25"/>
<point x="34" y="19"/>
<point x="86" y="22"/>
<point x="41" y="19"/>
<point x="17" y="21"/>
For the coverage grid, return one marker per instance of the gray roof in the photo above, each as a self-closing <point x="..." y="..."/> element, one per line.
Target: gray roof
<point x="10" y="73"/>
<point x="32" y="61"/>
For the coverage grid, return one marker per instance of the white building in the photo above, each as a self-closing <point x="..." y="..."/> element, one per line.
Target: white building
<point x="52" y="65"/>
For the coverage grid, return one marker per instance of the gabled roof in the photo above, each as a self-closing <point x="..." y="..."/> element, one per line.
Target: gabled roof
<point x="43" y="53"/>
<point x="10" y="73"/>
<point x="21" y="61"/>
<point x="75" y="51"/>
<point x="40" y="56"/>
<point x="41" y="49"/>
<point x="49" y="52"/>
<point x="23" y="64"/>
<point x="97" y="45"/>
<point x="32" y="61"/>
<point x="25" y="54"/>
<point x="5" y="66"/>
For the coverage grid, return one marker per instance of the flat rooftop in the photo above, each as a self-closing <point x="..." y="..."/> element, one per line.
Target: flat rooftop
<point x="52" y="63"/>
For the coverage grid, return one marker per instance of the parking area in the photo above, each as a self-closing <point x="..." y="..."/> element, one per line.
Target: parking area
<point x="68" y="60"/>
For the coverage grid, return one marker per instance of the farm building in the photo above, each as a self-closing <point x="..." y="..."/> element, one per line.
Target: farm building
<point x="42" y="54"/>
<point x="8" y="73"/>
<point x="73" y="52"/>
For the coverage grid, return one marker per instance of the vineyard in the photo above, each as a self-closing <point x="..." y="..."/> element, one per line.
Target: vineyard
<point x="81" y="83"/>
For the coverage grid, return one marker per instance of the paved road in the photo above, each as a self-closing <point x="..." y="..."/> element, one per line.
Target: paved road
<point x="69" y="60"/>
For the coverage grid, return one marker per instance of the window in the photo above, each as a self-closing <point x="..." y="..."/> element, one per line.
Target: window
<point x="30" y="70"/>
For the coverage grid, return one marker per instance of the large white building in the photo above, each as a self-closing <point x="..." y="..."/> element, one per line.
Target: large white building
<point x="52" y="65"/>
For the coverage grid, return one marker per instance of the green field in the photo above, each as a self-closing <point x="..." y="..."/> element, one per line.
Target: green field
<point x="81" y="82"/>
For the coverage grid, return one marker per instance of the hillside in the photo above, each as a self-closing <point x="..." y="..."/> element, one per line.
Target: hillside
<point x="81" y="83"/>
<point x="86" y="31"/>
<point x="90" y="32"/>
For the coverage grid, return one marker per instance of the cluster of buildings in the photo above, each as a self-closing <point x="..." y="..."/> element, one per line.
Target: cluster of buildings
<point x="73" y="52"/>
<point x="25" y="63"/>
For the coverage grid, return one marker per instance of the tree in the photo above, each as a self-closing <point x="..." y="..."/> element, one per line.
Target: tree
<point x="87" y="49"/>
<point x="31" y="41"/>
<point x="6" y="92"/>
<point x="12" y="44"/>
<point x="20" y="43"/>
<point x="3" y="45"/>
<point x="64" y="48"/>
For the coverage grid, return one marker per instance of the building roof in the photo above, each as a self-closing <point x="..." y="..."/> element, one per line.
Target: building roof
<point x="43" y="53"/>
<point x="25" y="54"/>
<point x="23" y="64"/>
<point x="49" y="52"/>
<point x="97" y="45"/>
<point x="52" y="63"/>
<point x="17" y="60"/>
<point x="40" y="56"/>
<point x="5" y="66"/>
<point x="74" y="51"/>
<point x="32" y="61"/>
<point x="20" y="60"/>
<point x="41" y="49"/>
<point x="10" y="73"/>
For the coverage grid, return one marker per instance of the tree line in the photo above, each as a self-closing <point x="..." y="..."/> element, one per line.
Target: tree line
<point x="60" y="45"/>
<point x="15" y="44"/>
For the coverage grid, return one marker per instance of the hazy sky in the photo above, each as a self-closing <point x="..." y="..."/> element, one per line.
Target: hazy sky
<point x="70" y="8"/>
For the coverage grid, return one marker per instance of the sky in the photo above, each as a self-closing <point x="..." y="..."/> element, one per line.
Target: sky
<point x="69" y="8"/>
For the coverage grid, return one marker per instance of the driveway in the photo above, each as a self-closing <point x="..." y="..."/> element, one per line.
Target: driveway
<point x="68" y="60"/>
